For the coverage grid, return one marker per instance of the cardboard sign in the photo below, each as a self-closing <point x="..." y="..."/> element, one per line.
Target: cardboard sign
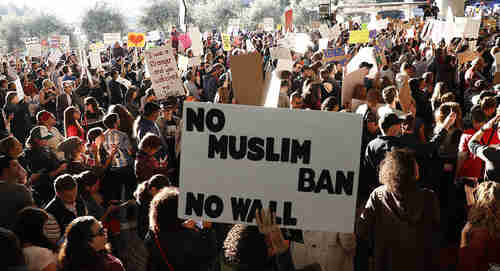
<point x="162" y="68"/>
<point x="153" y="35"/>
<point x="467" y="56"/>
<point x="230" y="169"/>
<point x="35" y="50"/>
<point x="315" y="25"/>
<point x="280" y="53"/>
<point x="334" y="55"/>
<point x="95" y="59"/>
<point x="323" y="44"/>
<point x="285" y="65"/>
<point x="55" y="41"/>
<point x="249" y="83"/>
<point x="359" y="36"/>
<point x="194" y="61"/>
<point x="111" y="38"/>
<point x="136" y="39"/>
<point x="351" y="81"/>
<point x="226" y="42"/>
<point x="496" y="79"/>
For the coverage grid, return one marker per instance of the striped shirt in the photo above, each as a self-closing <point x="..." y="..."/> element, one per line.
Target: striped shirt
<point x="122" y="157"/>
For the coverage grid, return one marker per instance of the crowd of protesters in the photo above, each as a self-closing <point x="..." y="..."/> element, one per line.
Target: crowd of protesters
<point x="89" y="166"/>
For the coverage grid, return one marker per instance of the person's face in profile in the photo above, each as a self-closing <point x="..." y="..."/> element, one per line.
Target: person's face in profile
<point x="297" y="102"/>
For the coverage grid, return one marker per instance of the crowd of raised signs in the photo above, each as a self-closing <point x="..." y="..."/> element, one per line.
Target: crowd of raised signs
<point x="90" y="155"/>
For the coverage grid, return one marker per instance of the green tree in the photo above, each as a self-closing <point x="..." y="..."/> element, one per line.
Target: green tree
<point x="215" y="13"/>
<point x="159" y="14"/>
<point x="260" y="9"/>
<point x="43" y="25"/>
<point x="102" y="19"/>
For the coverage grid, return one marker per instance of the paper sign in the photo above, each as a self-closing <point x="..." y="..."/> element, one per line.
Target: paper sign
<point x="268" y="24"/>
<point x="153" y="35"/>
<point x="285" y="65"/>
<point x="55" y="41"/>
<point x="314" y="168"/>
<point x="182" y="62"/>
<point x="334" y="55"/>
<point x="315" y="24"/>
<point x="65" y="41"/>
<point x="359" y="36"/>
<point x="196" y="44"/>
<point x="226" y="42"/>
<point x="194" y="61"/>
<point x="280" y="53"/>
<point x="163" y="70"/>
<point x="323" y="44"/>
<point x="366" y="54"/>
<point x="55" y="56"/>
<point x="467" y="56"/>
<point x="35" y="50"/>
<point x="472" y="28"/>
<point x="111" y="38"/>
<point x="19" y="89"/>
<point x="136" y="39"/>
<point x="31" y="41"/>
<point x="95" y="59"/>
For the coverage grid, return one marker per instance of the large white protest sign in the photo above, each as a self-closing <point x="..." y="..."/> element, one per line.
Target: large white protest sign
<point x="35" y="50"/>
<point x="365" y="54"/>
<point x="163" y="70"/>
<point x="471" y="29"/>
<point x="111" y="38"/>
<point x="285" y="65"/>
<point x="31" y="41"/>
<point x="65" y="41"/>
<point x="54" y="56"/>
<point x="95" y="59"/>
<point x="308" y="176"/>
<point x="153" y="35"/>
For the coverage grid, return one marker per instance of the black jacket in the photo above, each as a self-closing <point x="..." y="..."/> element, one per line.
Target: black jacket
<point x="116" y="92"/>
<point x="185" y="249"/>
<point x="62" y="215"/>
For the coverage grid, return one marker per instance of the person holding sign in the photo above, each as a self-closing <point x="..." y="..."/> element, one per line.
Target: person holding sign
<point x="174" y="244"/>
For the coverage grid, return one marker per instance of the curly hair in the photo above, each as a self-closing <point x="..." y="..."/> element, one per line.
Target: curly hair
<point x="398" y="171"/>
<point x="444" y="110"/>
<point x="245" y="247"/>
<point x="485" y="211"/>
<point x="163" y="211"/>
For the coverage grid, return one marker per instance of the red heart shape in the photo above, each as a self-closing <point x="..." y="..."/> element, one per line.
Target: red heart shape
<point x="135" y="39"/>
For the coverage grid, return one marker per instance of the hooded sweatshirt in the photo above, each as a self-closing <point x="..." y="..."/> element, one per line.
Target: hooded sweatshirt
<point x="402" y="229"/>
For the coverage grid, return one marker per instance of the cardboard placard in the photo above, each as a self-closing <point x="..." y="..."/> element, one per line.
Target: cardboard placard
<point x="280" y="53"/>
<point x="298" y="174"/>
<point x="95" y="59"/>
<point x="162" y="68"/>
<point x="248" y="80"/>
<point x="31" y="41"/>
<point x="35" y="50"/>
<point x="334" y="55"/>
<point x="496" y="79"/>
<point x="182" y="62"/>
<point x="359" y="36"/>
<point x="285" y="65"/>
<point x="111" y="38"/>
<point x="196" y="43"/>
<point x="268" y="24"/>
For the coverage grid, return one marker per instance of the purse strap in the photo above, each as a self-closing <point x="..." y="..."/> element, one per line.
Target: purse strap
<point x="163" y="255"/>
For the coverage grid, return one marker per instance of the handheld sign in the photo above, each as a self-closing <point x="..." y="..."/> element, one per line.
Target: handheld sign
<point x="162" y="68"/>
<point x="226" y="42"/>
<point x="111" y="38"/>
<point x="136" y="39"/>
<point x="308" y="176"/>
<point x="359" y="36"/>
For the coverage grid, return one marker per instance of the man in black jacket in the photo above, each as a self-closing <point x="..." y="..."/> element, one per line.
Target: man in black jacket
<point x="115" y="90"/>
<point x="65" y="206"/>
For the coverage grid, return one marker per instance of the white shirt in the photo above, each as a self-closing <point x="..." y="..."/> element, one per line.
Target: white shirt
<point x="38" y="258"/>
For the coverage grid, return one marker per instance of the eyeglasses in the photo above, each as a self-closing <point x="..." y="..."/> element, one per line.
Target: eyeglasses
<point x="100" y="232"/>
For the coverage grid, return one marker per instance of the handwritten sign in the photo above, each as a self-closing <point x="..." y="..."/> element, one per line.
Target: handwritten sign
<point x="334" y="55"/>
<point x="111" y="38"/>
<point x="268" y="24"/>
<point x="35" y="50"/>
<point x="162" y="68"/>
<point x="55" y="41"/>
<point x="136" y="39"/>
<point x="359" y="36"/>
<point x="31" y="41"/>
<point x="95" y="59"/>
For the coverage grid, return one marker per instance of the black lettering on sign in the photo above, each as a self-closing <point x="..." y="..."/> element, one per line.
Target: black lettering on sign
<point x="285" y="149"/>
<point x="301" y="151"/>
<point x="194" y="204"/>
<point x="195" y="119"/>
<point x="342" y="182"/>
<point x="235" y="152"/>
<point x="240" y="208"/>
<point x="273" y="206"/>
<point x="214" y="206"/>
<point x="288" y="219"/>
<point x="308" y="183"/>
<point x="306" y="180"/>
<point x="271" y="156"/>
<point x="217" y="146"/>
<point x="255" y="149"/>
<point x="215" y="120"/>
<point x="256" y="205"/>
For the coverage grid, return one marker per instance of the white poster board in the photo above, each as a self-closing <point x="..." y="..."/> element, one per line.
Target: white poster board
<point x="163" y="70"/>
<point x="111" y="38"/>
<point x="35" y="50"/>
<point x="95" y="59"/>
<point x="280" y="53"/>
<point x="54" y="56"/>
<point x="31" y="41"/>
<point x="153" y="35"/>
<point x="268" y="24"/>
<point x="302" y="174"/>
<point x="285" y="65"/>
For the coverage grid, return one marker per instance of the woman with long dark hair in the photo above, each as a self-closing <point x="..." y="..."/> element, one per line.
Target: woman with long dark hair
<point x="85" y="247"/>
<point x="143" y="195"/>
<point x="72" y="125"/>
<point x="93" y="113"/>
<point x="38" y="250"/>
<point x="132" y="102"/>
<point x="12" y="254"/>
